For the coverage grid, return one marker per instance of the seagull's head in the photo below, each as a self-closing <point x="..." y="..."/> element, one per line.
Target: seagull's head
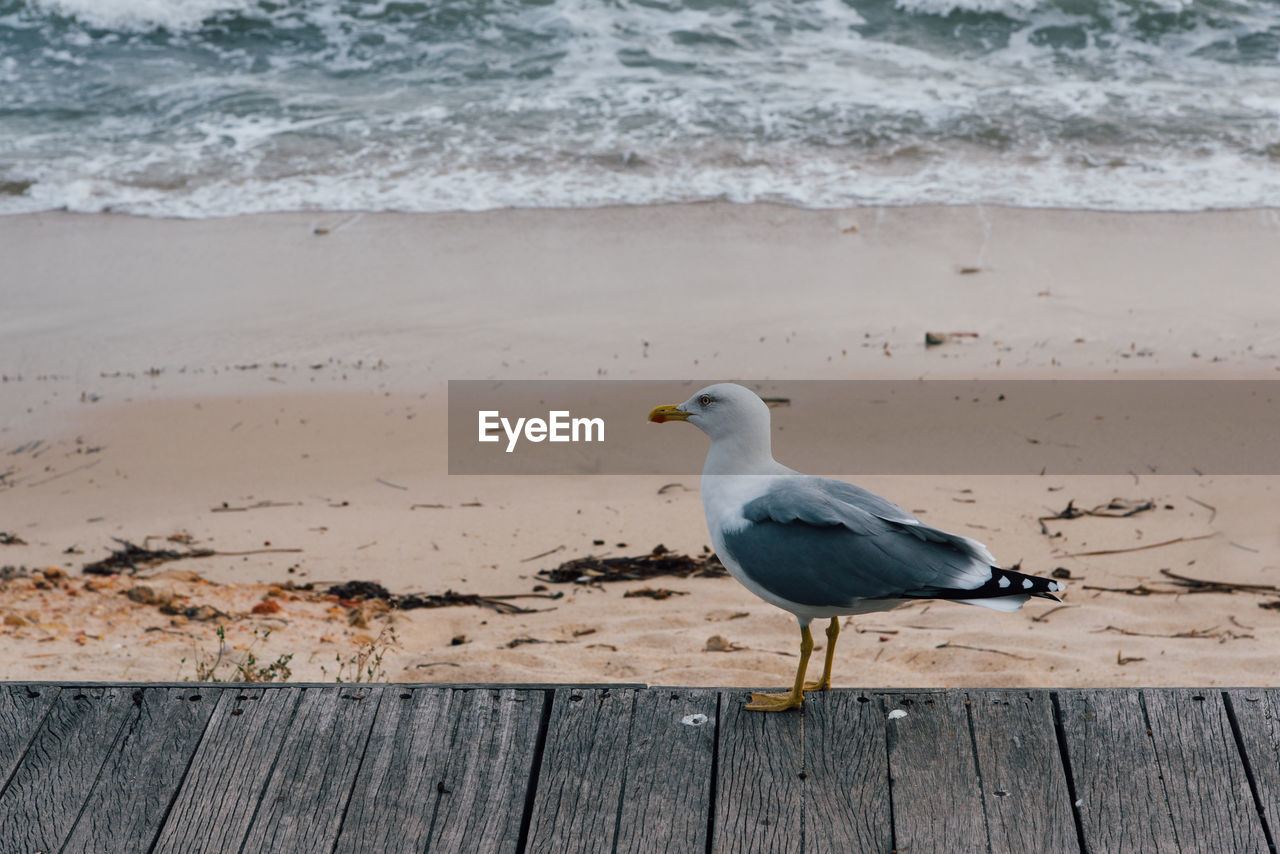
<point x="718" y="410"/>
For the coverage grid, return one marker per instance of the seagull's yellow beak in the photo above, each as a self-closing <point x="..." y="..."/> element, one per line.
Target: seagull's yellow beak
<point x="669" y="412"/>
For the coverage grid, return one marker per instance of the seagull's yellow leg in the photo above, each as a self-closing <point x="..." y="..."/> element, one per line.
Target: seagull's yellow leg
<point x="782" y="702"/>
<point x="824" y="684"/>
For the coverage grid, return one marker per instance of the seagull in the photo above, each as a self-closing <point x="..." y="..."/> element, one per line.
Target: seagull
<point x="825" y="548"/>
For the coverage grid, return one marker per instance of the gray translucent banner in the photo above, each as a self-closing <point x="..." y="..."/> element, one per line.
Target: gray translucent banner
<point x="865" y="427"/>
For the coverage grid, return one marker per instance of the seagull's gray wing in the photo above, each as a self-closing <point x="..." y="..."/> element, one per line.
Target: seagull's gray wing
<point x="826" y="543"/>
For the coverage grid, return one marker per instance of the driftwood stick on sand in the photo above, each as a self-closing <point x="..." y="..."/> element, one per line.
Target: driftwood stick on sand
<point x="950" y="645"/>
<point x="1218" y="586"/>
<point x="1100" y="552"/>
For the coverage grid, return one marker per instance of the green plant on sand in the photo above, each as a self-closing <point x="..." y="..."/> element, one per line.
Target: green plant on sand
<point x="365" y="664"/>
<point x="221" y="667"/>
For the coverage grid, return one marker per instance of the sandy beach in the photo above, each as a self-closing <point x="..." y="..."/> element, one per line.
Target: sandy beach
<point x="273" y="389"/>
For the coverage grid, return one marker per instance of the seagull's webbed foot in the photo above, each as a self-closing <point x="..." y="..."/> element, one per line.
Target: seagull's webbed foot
<point x="823" y="684"/>
<point x="775" y="702"/>
<point x="783" y="702"/>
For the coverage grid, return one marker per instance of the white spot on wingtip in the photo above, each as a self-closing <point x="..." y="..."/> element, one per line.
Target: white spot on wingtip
<point x="1026" y="584"/>
<point x="693" y="720"/>
<point x="897" y="713"/>
<point x="1004" y="581"/>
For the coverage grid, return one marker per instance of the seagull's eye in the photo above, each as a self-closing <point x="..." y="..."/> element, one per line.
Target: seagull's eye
<point x="705" y="400"/>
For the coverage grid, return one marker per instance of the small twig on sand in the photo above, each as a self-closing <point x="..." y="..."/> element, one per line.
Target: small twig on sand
<point x="256" y="552"/>
<point x="1136" y="590"/>
<point x="543" y="554"/>
<point x="1099" y="552"/>
<point x="950" y="645"/>
<point x="1213" y="511"/>
<point x="1211" y="633"/>
<point x="1040" y="618"/>
<point x="390" y="484"/>
<point x="65" y="473"/>
<point x="227" y="508"/>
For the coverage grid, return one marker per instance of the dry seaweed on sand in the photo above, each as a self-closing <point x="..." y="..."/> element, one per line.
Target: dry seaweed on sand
<point x="654" y="593"/>
<point x="660" y="561"/>
<point x="358" y="590"/>
<point x="1116" y="508"/>
<point x="8" y="573"/>
<point x="131" y="557"/>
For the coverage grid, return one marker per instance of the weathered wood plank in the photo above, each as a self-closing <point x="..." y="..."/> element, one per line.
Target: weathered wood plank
<point x="490" y="768"/>
<point x="584" y="762"/>
<point x="758" y="787"/>
<point x="937" y="797"/>
<point x="1024" y="786"/>
<point x="1122" y="804"/>
<point x="846" y="768"/>
<point x="1257" y="713"/>
<point x="48" y="790"/>
<point x="304" y="801"/>
<point x="222" y="787"/>
<point x="1205" y="782"/>
<point x="667" y="795"/>
<point x="395" y="793"/>
<point x="444" y="769"/>
<point x="22" y="708"/>
<point x="142" y="774"/>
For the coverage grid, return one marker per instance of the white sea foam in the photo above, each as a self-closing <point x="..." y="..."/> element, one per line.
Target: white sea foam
<point x="1013" y="8"/>
<point x="142" y="15"/>
<point x="1221" y="181"/>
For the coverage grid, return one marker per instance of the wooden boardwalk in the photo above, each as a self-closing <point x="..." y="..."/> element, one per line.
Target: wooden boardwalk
<point x="398" y="768"/>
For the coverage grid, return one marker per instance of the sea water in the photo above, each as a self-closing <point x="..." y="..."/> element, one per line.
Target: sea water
<point x="201" y="108"/>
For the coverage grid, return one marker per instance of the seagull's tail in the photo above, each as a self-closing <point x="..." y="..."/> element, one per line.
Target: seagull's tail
<point x="1006" y="590"/>
<point x="1011" y="581"/>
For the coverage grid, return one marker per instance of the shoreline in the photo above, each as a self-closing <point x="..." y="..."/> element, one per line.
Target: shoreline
<point x="635" y="206"/>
